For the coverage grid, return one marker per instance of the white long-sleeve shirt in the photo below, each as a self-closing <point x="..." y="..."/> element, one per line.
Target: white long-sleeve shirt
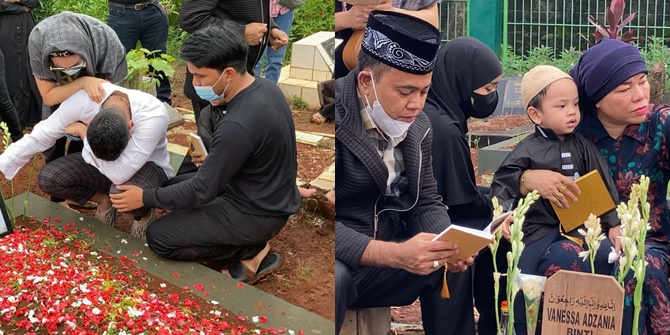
<point x="148" y="142"/>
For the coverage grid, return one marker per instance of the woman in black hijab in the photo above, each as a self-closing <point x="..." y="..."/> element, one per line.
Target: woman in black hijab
<point x="464" y="85"/>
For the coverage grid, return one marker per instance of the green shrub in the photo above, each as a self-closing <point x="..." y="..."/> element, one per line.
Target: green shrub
<point x="95" y="8"/>
<point x="141" y="66"/>
<point x="310" y="18"/>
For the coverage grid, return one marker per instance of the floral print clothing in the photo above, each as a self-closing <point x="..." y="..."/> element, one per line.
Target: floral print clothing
<point x="642" y="149"/>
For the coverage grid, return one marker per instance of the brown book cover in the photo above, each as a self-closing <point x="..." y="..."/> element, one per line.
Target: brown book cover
<point x="470" y="241"/>
<point x="595" y="198"/>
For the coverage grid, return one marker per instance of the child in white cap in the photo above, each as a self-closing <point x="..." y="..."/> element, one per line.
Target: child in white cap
<point x="552" y="103"/>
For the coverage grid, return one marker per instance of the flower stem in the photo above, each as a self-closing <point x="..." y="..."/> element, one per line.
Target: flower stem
<point x="496" y="288"/>
<point x="12" y="218"/>
<point x="30" y="179"/>
<point x="641" y="261"/>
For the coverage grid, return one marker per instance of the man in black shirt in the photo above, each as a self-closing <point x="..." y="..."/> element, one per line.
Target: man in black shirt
<point x="245" y="190"/>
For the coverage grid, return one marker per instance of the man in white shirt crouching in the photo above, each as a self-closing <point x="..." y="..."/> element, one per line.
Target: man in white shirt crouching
<point x="124" y="143"/>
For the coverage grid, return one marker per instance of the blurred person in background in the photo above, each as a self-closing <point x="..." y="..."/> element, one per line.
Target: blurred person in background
<point x="274" y="59"/>
<point x="16" y="22"/>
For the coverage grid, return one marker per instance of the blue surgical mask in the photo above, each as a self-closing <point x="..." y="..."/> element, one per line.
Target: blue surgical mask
<point x="71" y="72"/>
<point x="207" y="92"/>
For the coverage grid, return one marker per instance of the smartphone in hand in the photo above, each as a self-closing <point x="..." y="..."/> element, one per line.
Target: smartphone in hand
<point x="197" y="145"/>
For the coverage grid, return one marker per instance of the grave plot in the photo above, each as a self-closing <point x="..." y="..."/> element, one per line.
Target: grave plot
<point x="297" y="297"/>
<point x="68" y="272"/>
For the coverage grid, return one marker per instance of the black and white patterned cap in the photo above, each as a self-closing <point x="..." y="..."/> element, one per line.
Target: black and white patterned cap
<point x="403" y="42"/>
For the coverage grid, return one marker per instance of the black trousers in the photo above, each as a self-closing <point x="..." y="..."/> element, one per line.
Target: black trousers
<point x="381" y="287"/>
<point x="217" y="231"/>
<point x="7" y="109"/>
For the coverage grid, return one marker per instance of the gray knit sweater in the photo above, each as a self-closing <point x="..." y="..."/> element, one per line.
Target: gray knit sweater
<point x="361" y="181"/>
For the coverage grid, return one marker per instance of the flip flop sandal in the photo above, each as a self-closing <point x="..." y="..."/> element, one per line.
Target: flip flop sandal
<point x="268" y="265"/>
<point x="65" y="204"/>
<point x="139" y="228"/>
<point x="107" y="217"/>
<point x="87" y="205"/>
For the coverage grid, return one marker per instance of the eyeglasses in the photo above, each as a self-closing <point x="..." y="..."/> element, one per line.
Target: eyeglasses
<point x="60" y="54"/>
<point x="74" y="67"/>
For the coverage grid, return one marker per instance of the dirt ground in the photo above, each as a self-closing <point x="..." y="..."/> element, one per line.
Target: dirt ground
<point x="499" y="123"/>
<point x="307" y="243"/>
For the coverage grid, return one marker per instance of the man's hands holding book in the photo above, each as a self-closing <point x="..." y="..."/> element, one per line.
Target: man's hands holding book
<point x="420" y="254"/>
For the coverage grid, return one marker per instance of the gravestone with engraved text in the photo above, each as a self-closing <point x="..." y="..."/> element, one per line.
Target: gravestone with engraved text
<point x="582" y="304"/>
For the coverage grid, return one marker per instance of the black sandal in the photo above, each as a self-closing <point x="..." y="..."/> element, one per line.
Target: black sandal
<point x="269" y="264"/>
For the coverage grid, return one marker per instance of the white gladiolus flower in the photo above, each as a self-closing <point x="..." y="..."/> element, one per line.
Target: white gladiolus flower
<point x="613" y="255"/>
<point x="584" y="255"/>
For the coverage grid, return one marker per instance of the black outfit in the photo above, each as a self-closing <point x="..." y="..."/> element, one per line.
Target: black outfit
<point x="542" y="151"/>
<point x="209" y="120"/>
<point x="7" y="110"/>
<point x="15" y="27"/>
<point x="198" y="14"/>
<point x="245" y="190"/>
<point x="462" y="66"/>
<point x="361" y="201"/>
<point x="544" y="253"/>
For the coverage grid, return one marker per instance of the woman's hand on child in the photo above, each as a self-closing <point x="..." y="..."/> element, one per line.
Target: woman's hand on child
<point x="552" y="186"/>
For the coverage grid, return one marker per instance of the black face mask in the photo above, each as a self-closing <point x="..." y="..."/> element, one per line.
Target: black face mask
<point x="484" y="105"/>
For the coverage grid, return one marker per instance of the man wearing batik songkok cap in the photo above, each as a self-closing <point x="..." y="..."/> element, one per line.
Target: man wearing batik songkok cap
<point x="388" y="210"/>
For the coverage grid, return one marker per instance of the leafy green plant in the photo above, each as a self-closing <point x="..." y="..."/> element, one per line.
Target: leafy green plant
<point x="95" y="8"/>
<point x="657" y="56"/>
<point x="517" y="65"/>
<point x="310" y="18"/>
<point x="146" y="67"/>
<point x="176" y="37"/>
<point x="567" y="59"/>
<point x="297" y="102"/>
<point x="475" y="141"/>
<point x="616" y="23"/>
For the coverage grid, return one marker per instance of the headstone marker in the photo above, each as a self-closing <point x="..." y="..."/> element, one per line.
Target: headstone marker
<point x="509" y="97"/>
<point x="175" y="118"/>
<point x="327" y="51"/>
<point x="5" y="223"/>
<point x="578" y="303"/>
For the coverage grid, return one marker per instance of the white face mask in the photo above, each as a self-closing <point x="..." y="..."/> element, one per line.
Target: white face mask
<point x="389" y="126"/>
